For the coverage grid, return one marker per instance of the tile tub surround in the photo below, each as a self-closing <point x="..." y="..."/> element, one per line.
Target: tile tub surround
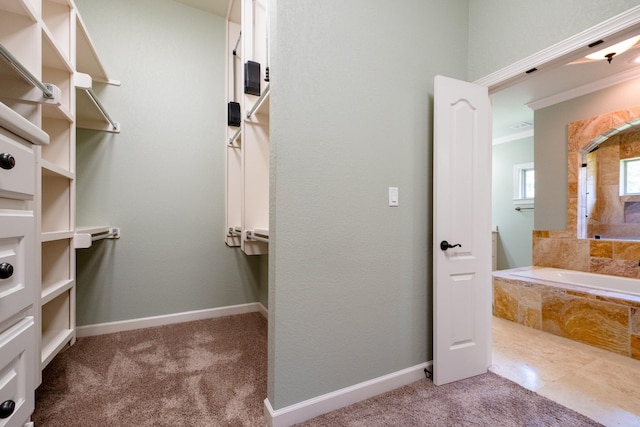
<point x="561" y="249"/>
<point x="603" y="319"/>
<point x="580" y="134"/>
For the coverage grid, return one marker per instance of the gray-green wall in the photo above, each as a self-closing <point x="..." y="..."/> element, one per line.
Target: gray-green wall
<point x="162" y="179"/>
<point x="351" y="115"/>
<point x="502" y="32"/>
<point x="514" y="228"/>
<point x="351" y="108"/>
<point x="550" y="126"/>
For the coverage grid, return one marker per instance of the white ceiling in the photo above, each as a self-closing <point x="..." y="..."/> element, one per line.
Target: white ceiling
<point x="510" y="110"/>
<point x="570" y="77"/>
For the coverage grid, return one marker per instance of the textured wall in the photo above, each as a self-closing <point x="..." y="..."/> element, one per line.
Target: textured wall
<point x="351" y="114"/>
<point x="162" y="179"/>
<point x="502" y="32"/>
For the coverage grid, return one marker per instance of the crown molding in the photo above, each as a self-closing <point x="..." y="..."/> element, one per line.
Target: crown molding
<point x="610" y="81"/>
<point x="555" y="53"/>
<point x="513" y="137"/>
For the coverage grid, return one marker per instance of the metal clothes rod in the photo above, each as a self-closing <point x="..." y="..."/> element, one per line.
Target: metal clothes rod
<point x="46" y="89"/>
<point x="258" y="102"/>
<point x="524" y="209"/>
<point x="251" y="236"/>
<point x="113" y="233"/>
<point x="106" y="115"/>
<point x="234" y="137"/>
<point x="235" y="231"/>
<point x="237" y="43"/>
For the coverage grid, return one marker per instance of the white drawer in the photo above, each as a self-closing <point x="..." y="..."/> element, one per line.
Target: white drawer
<point x="17" y="291"/>
<point x="17" y="376"/>
<point x="17" y="181"/>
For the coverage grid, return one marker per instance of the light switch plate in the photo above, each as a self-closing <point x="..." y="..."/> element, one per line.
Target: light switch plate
<point x="393" y="196"/>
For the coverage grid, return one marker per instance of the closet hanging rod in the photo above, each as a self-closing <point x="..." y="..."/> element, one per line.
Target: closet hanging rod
<point x="103" y="111"/>
<point x="47" y="89"/>
<point x="251" y="236"/>
<point x="233" y="138"/>
<point x="258" y="102"/>
<point x="114" y="233"/>
<point x="235" y="231"/>
<point x="524" y="209"/>
<point x="237" y="43"/>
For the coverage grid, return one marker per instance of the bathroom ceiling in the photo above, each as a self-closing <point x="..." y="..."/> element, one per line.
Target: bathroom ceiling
<point x="510" y="111"/>
<point x="570" y="74"/>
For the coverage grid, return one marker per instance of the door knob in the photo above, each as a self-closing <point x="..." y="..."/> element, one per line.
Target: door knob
<point x="444" y="245"/>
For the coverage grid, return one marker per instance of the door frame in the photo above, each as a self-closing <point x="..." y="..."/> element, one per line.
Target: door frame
<point x="562" y="53"/>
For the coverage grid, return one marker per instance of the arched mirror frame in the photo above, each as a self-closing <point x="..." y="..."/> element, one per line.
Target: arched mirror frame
<point x="584" y="136"/>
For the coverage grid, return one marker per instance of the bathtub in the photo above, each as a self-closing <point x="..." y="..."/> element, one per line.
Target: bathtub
<point x="603" y="282"/>
<point x="595" y="309"/>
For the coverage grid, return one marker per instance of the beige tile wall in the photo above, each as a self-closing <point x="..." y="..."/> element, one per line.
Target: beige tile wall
<point x="589" y="316"/>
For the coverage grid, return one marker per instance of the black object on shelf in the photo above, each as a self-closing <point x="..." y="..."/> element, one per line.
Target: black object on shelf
<point x="252" y="78"/>
<point x="233" y="114"/>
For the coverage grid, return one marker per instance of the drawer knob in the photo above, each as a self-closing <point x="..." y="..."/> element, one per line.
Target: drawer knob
<point x="6" y="408"/>
<point x="6" y="270"/>
<point x="7" y="161"/>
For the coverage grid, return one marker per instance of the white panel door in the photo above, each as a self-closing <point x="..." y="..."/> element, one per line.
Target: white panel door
<point x="462" y="230"/>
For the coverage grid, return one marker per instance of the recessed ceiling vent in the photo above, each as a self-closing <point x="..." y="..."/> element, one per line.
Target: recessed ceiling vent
<point x="594" y="44"/>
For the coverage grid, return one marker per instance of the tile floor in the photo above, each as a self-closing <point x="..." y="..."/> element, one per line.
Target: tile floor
<point x="599" y="384"/>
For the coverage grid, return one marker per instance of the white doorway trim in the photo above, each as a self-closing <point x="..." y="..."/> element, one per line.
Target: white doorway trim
<point x="563" y="52"/>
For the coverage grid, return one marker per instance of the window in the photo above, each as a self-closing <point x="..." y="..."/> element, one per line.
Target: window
<point x="630" y="176"/>
<point x="524" y="183"/>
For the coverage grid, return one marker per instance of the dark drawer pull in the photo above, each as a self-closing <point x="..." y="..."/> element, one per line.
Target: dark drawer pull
<point x="6" y="408"/>
<point x="6" y="270"/>
<point x="7" y="161"/>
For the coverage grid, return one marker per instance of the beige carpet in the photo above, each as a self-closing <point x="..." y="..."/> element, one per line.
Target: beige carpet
<point x="485" y="400"/>
<point x="213" y="373"/>
<point x="203" y="373"/>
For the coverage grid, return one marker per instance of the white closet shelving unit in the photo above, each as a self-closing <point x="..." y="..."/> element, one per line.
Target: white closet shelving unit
<point x="49" y="40"/>
<point x="247" y="189"/>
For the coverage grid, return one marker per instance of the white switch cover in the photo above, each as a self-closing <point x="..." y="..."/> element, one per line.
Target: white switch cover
<point x="393" y="196"/>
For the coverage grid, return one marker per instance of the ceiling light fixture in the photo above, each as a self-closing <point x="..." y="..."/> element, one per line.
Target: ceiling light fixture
<point x="618" y="48"/>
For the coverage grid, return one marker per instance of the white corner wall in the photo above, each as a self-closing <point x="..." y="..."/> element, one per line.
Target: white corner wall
<point x="161" y="180"/>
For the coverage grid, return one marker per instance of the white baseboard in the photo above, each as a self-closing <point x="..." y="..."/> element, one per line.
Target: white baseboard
<point x="168" y="319"/>
<point x="308" y="409"/>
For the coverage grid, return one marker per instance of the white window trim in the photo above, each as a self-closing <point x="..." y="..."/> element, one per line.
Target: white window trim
<point x="517" y="184"/>
<point x="623" y="177"/>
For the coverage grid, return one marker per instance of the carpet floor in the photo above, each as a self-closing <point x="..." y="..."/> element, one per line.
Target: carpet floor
<point x="214" y="373"/>
<point x="204" y="373"/>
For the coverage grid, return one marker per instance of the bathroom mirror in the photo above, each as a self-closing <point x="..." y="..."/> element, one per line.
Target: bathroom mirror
<point x="604" y="176"/>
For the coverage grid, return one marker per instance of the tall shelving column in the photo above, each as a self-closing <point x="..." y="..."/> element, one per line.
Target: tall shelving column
<point x="255" y="153"/>
<point x="57" y="179"/>
<point x="233" y="196"/>
<point x="247" y="200"/>
<point x="20" y="37"/>
<point x="69" y="61"/>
